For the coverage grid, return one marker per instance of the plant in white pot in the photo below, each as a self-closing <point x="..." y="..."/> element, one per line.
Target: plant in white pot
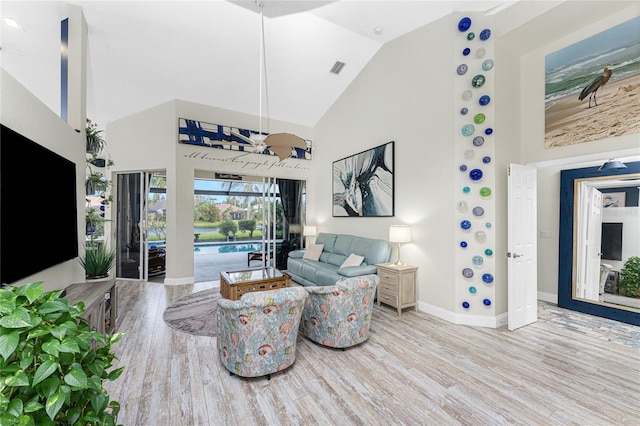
<point x="98" y="259"/>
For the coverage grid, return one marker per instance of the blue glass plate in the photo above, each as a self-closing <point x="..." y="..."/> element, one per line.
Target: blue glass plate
<point x="486" y="160"/>
<point x="485" y="34"/>
<point x="472" y="290"/>
<point x="487" y="302"/>
<point x="465" y="224"/>
<point x="488" y="131"/>
<point x="487" y="278"/>
<point x="465" y="305"/>
<point x="463" y="244"/>
<point x="484" y="100"/>
<point x="466" y="51"/>
<point x="464" y="24"/>
<point x="464" y="111"/>
<point x="475" y="174"/>
<point x="463" y="167"/>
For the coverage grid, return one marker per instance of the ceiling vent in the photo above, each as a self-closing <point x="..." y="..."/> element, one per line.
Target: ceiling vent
<point x="337" y="67"/>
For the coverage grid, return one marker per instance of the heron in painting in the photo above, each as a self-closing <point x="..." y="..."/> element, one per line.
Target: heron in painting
<point x="593" y="87"/>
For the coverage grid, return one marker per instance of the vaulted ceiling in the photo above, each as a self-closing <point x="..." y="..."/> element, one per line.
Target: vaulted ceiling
<point x="143" y="53"/>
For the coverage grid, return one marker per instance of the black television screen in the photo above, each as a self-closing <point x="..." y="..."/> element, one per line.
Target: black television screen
<point x="611" y="244"/>
<point x="38" y="210"/>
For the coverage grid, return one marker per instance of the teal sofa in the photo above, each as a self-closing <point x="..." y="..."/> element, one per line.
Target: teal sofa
<point x="337" y="247"/>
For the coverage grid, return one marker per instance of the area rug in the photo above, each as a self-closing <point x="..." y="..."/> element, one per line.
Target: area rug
<point x="194" y="314"/>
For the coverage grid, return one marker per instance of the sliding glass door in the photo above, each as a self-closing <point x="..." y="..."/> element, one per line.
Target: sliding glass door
<point x="131" y="239"/>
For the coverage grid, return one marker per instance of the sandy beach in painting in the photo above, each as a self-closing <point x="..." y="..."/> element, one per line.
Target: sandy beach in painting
<point x="570" y="121"/>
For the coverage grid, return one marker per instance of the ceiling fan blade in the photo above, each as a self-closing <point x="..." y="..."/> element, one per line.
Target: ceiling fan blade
<point x="285" y="139"/>
<point x="283" y="152"/>
<point x="243" y="137"/>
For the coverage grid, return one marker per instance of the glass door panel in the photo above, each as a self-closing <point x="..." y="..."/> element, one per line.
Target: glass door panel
<point x="131" y="238"/>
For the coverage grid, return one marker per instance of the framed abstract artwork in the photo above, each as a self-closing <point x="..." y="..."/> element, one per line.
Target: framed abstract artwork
<point x="363" y="184"/>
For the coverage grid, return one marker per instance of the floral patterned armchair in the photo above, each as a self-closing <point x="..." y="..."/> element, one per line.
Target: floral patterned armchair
<point x="257" y="334"/>
<point x="339" y="315"/>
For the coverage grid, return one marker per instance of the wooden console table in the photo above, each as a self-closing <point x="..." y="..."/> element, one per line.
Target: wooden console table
<point x="100" y="303"/>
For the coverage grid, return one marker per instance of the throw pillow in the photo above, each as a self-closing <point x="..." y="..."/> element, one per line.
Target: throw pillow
<point x="313" y="252"/>
<point x="352" y="260"/>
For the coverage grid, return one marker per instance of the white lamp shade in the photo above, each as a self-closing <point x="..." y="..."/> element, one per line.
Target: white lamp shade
<point x="309" y="231"/>
<point x="400" y="234"/>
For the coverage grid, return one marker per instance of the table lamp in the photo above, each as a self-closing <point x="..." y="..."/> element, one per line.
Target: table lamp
<point x="399" y="234"/>
<point x="309" y="231"/>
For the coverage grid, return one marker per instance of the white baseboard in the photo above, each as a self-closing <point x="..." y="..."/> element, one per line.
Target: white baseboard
<point x="463" y="319"/>
<point x="179" y="281"/>
<point x="548" y="297"/>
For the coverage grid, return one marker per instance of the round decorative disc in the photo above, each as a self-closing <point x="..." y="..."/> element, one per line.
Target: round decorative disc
<point x="487" y="302"/>
<point x="465" y="305"/>
<point x="468" y="154"/>
<point x="463" y="167"/>
<point x="472" y="290"/>
<point x="475" y="174"/>
<point x="478" y="141"/>
<point x="487" y="278"/>
<point x="467" y="272"/>
<point x="478" y="80"/>
<point x="486" y="160"/>
<point x="464" y="24"/>
<point x="462" y="69"/>
<point x="477" y="260"/>
<point x="466" y="189"/>
<point x="466" y="95"/>
<point x="471" y="36"/>
<point x="488" y="252"/>
<point x="487" y="65"/>
<point x="485" y="191"/>
<point x="485" y="34"/>
<point x="463" y="244"/>
<point x="468" y="130"/>
<point x="480" y="52"/>
<point x="480" y="236"/>
<point x="464" y="111"/>
<point x="484" y="100"/>
<point x="466" y="51"/>
<point x="479" y="118"/>
<point x="465" y="224"/>
<point x="488" y="131"/>
<point x="478" y="211"/>
<point x="462" y="206"/>
<point x="487" y="225"/>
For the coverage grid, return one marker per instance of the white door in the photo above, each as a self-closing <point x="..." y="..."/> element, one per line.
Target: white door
<point x="522" y="246"/>
<point x="593" y="241"/>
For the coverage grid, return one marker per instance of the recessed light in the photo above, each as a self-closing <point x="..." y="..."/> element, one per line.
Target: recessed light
<point x="378" y="31"/>
<point x="12" y="23"/>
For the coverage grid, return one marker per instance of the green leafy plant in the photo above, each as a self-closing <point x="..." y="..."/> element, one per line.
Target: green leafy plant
<point x="52" y="366"/>
<point x="98" y="259"/>
<point x="95" y="141"/>
<point x="95" y="182"/>
<point x="629" y="284"/>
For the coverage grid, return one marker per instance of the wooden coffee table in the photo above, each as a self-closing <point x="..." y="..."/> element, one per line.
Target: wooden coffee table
<point x="233" y="284"/>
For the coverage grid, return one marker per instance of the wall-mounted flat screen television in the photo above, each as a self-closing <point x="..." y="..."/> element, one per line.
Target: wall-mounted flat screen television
<point x="611" y="244"/>
<point x="38" y="208"/>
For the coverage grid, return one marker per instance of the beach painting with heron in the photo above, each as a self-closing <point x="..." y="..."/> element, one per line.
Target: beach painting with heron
<point x="592" y="88"/>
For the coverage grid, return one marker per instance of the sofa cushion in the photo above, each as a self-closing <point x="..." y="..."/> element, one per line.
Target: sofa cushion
<point x="343" y="245"/>
<point x="352" y="260"/>
<point x="354" y="271"/>
<point x="313" y="252"/>
<point x="328" y="240"/>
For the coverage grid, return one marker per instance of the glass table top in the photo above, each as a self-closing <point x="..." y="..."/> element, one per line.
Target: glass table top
<point x="248" y="275"/>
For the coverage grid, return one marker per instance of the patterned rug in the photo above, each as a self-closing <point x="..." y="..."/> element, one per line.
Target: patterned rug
<point x="194" y="314"/>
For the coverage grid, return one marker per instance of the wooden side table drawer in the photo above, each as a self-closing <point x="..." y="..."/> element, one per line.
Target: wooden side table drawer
<point x="390" y="299"/>
<point x="388" y="287"/>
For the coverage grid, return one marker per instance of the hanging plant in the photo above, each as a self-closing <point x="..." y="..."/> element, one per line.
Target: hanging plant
<point x="95" y="141"/>
<point x="96" y="182"/>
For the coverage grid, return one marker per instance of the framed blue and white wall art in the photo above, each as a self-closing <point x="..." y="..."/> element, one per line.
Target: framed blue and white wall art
<point x="363" y="184"/>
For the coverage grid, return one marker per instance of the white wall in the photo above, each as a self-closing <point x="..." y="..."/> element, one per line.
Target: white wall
<point x="149" y="141"/>
<point x="532" y="119"/>
<point x="27" y="115"/>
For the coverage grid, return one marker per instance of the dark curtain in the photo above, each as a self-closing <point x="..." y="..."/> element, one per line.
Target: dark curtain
<point x="291" y="199"/>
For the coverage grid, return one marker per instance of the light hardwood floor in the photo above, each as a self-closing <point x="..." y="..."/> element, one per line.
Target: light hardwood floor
<point x="417" y="370"/>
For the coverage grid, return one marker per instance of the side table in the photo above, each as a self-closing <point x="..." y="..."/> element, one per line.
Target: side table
<point x="397" y="286"/>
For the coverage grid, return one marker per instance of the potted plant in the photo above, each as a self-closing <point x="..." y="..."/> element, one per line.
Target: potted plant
<point x="95" y="182"/>
<point x="629" y="284"/>
<point x="98" y="259"/>
<point x="95" y="141"/>
<point x="53" y="366"/>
